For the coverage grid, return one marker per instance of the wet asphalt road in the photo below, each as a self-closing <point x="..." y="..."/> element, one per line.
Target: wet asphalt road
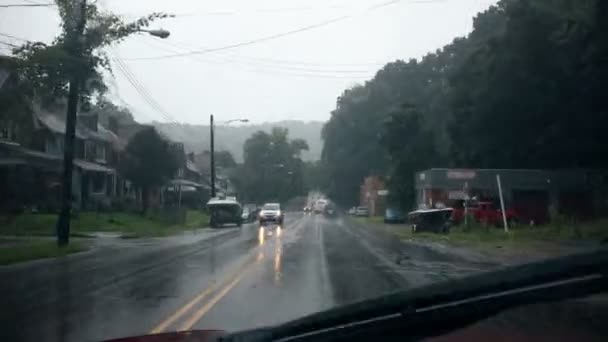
<point x="234" y="280"/>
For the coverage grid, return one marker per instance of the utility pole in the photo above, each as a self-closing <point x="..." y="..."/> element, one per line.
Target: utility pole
<point x="502" y="204"/>
<point x="212" y="147"/>
<point x="76" y="31"/>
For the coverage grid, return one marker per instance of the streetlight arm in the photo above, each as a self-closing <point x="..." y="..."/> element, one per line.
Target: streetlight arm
<point x="235" y="120"/>
<point x="160" y="33"/>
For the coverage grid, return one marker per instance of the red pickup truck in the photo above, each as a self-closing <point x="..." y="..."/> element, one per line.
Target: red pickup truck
<point x="484" y="212"/>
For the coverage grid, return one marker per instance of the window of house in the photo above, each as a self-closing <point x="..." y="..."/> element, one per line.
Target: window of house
<point x="5" y="131"/>
<point x="99" y="182"/>
<point x="89" y="150"/>
<point x="54" y="144"/>
<point x="100" y="152"/>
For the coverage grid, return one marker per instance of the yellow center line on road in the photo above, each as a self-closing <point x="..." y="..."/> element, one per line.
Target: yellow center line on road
<point x="181" y="311"/>
<point x="200" y="313"/>
<point x="226" y="286"/>
<point x="198" y="298"/>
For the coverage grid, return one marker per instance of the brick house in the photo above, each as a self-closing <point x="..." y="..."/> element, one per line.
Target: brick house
<point x="373" y="195"/>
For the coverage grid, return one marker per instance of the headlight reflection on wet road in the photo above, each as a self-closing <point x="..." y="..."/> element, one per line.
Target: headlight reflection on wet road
<point x="278" y="249"/>
<point x="278" y="252"/>
<point x="261" y="234"/>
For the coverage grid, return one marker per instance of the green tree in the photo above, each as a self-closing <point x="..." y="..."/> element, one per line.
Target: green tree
<point x="15" y="100"/>
<point x="315" y="178"/>
<point x="224" y="159"/>
<point x="106" y="110"/>
<point x="410" y="148"/>
<point x="47" y="68"/>
<point x="523" y="90"/>
<point x="148" y="162"/>
<point x="529" y="97"/>
<point x="272" y="167"/>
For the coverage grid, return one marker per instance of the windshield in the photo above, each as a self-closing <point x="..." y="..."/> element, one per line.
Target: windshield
<point x="236" y="164"/>
<point x="271" y="207"/>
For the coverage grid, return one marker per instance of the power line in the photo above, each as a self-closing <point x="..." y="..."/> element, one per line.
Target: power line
<point x="283" y="70"/>
<point x="27" y="5"/>
<point x="267" y="38"/>
<point x="141" y="90"/>
<point x="39" y="3"/>
<point x="14" y="37"/>
<point x="258" y="11"/>
<point x="125" y="104"/>
<point x="250" y="42"/>
<point x="9" y="44"/>
<point x="303" y="71"/>
<point x="281" y="62"/>
<point x="144" y="93"/>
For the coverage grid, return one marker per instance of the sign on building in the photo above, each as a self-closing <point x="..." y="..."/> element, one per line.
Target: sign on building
<point x="461" y="174"/>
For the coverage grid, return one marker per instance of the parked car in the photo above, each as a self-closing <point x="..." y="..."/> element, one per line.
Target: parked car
<point x="431" y="220"/>
<point x="361" y="211"/>
<point x="352" y="211"/>
<point x="223" y="211"/>
<point x="246" y="215"/>
<point x="394" y="215"/>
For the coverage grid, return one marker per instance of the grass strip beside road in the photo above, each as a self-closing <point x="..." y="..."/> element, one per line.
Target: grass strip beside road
<point x="517" y="239"/>
<point x="129" y="224"/>
<point x="36" y="249"/>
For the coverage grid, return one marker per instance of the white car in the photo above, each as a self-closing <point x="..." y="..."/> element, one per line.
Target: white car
<point x="271" y="212"/>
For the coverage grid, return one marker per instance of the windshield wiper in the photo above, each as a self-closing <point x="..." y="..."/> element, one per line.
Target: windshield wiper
<point x="439" y="308"/>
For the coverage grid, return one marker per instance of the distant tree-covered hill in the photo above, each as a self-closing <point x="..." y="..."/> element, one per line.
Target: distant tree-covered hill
<point x="231" y="138"/>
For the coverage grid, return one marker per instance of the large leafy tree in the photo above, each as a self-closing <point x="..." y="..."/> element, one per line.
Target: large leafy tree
<point x="523" y="89"/>
<point x="272" y="167"/>
<point x="530" y="97"/>
<point x="47" y="68"/>
<point x="410" y="148"/>
<point x="148" y="162"/>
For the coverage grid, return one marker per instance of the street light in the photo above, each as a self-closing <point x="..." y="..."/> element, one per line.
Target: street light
<point x="160" y="33"/>
<point x="235" y="120"/>
<point x="212" y="147"/>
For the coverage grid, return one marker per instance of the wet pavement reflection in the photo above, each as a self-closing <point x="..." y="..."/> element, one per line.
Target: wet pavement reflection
<point x="239" y="278"/>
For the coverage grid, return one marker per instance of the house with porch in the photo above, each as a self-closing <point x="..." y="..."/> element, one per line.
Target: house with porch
<point x="31" y="167"/>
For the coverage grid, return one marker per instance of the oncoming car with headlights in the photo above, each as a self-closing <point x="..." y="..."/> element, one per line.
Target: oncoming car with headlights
<point x="271" y="212"/>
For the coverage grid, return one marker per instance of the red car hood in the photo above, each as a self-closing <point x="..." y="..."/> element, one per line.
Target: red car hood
<point x="182" y="336"/>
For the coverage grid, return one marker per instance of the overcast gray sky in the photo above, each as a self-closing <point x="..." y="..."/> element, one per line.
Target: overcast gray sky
<point x="296" y="76"/>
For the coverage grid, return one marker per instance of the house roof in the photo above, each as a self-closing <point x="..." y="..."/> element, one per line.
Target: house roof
<point x="192" y="167"/>
<point x="56" y="123"/>
<point x="88" y="166"/>
<point x="226" y="201"/>
<point x="186" y="182"/>
<point x="22" y="155"/>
